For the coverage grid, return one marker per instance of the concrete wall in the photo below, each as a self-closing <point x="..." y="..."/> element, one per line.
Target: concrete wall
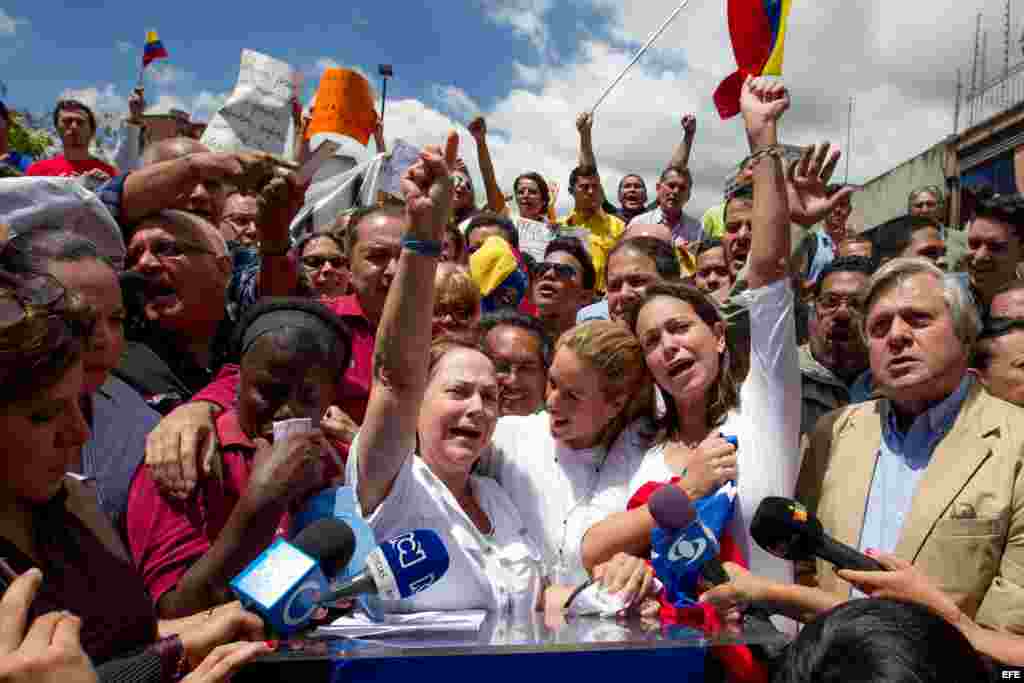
<point x="885" y="197"/>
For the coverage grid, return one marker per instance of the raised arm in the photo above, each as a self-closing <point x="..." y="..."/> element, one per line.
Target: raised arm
<point x="681" y="156"/>
<point x="585" y="126"/>
<point x="762" y="103"/>
<point x="401" y="354"/>
<point x="158" y="186"/>
<point x="378" y="137"/>
<point x="1018" y="167"/>
<point x="495" y="199"/>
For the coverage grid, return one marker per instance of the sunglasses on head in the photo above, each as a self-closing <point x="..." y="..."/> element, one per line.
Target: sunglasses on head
<point x="563" y="271"/>
<point x="317" y="262"/>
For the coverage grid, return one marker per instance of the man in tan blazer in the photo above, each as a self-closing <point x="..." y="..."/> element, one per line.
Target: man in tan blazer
<point x="934" y="472"/>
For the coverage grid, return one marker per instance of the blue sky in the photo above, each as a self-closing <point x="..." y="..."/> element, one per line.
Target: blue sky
<point x="530" y="66"/>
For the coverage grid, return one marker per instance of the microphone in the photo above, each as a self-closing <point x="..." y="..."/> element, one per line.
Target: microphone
<point x="284" y="583"/>
<point x="397" y="568"/>
<point x="785" y="528"/>
<point x="329" y="540"/>
<point x="692" y="547"/>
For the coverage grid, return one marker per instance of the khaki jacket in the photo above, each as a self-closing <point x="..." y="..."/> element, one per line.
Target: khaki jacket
<point x="965" y="526"/>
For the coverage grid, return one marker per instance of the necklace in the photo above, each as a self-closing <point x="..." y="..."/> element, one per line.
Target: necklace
<point x="562" y="568"/>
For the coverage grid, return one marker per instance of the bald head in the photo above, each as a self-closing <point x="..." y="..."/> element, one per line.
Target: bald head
<point x="189" y="227"/>
<point x="655" y="230"/>
<point x="171" y="148"/>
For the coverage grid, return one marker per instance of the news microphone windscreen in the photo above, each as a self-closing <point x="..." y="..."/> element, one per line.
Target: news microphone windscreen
<point x="785" y="528"/>
<point x="671" y="507"/>
<point x="330" y="541"/>
<point x="417" y="559"/>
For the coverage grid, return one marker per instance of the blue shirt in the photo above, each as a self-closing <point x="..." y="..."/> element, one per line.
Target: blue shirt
<point x="902" y="459"/>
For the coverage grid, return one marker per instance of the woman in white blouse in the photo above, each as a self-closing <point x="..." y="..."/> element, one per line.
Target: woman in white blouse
<point x="683" y="336"/>
<point x="432" y="411"/>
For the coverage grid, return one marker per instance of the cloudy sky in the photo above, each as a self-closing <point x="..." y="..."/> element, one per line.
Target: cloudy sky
<point x="530" y="66"/>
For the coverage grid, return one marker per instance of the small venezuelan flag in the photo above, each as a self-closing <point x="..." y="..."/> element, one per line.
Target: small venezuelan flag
<point x="153" y="50"/>
<point x="758" y="32"/>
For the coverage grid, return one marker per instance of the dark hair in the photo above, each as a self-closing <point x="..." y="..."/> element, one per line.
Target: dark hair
<point x="305" y="288"/>
<point x="72" y="105"/>
<point x="523" y="322"/>
<point x="487" y="219"/>
<point x="725" y="392"/>
<point x="542" y="184"/>
<point x="681" y="170"/>
<point x="844" y="264"/>
<point x="744" y="193"/>
<point x="574" y="247"/>
<point x="4" y="114"/>
<point x="34" y="250"/>
<point x="580" y="172"/>
<point x="666" y="262"/>
<point x="880" y="641"/>
<point x="709" y="244"/>
<point x="310" y="338"/>
<point x="1005" y="208"/>
<point x="359" y="215"/>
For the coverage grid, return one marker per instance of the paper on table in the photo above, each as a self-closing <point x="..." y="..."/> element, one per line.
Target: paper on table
<point x="360" y="626"/>
<point x="258" y="114"/>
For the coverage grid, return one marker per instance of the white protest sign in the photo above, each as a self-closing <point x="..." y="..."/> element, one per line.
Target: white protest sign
<point x="402" y="156"/>
<point x="535" y="236"/>
<point x="258" y="114"/>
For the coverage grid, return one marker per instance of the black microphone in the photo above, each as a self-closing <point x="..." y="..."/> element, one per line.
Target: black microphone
<point x="785" y="528"/>
<point x="330" y="541"/>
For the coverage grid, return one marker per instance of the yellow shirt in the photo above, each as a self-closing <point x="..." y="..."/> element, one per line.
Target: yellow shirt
<point x="604" y="230"/>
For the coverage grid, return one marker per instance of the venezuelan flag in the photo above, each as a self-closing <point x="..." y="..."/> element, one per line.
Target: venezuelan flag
<point x="153" y="49"/>
<point x="758" y="32"/>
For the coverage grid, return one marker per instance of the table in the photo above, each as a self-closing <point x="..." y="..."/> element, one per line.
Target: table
<point x="529" y="649"/>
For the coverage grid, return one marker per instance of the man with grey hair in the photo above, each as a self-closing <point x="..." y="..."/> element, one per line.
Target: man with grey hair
<point x="178" y="273"/>
<point x="934" y="471"/>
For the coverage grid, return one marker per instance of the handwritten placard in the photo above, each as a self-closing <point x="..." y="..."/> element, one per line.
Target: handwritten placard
<point x="535" y="236"/>
<point x="402" y="156"/>
<point x="344" y="105"/>
<point x="258" y="114"/>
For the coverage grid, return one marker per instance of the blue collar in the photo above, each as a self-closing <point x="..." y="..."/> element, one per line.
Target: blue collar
<point x="927" y="429"/>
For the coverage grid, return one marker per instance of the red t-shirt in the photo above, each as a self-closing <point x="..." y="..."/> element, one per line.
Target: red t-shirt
<point x="59" y="166"/>
<point x="167" y="536"/>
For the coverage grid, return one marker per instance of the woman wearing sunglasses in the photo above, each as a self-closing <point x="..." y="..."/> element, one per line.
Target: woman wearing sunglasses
<point x="51" y="521"/>
<point x="323" y="266"/>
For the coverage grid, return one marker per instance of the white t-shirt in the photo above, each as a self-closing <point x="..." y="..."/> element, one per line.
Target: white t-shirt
<point x="561" y="492"/>
<point x="500" y="571"/>
<point x="767" y="423"/>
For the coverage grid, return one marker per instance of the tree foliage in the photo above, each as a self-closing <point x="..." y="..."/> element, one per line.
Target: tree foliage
<point x="33" y="142"/>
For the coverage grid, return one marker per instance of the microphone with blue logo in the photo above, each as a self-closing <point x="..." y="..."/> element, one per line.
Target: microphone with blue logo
<point x="397" y="569"/>
<point x="284" y="585"/>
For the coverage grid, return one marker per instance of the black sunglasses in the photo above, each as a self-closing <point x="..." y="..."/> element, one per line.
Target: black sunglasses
<point x="317" y="262"/>
<point x="998" y="326"/>
<point x="563" y="271"/>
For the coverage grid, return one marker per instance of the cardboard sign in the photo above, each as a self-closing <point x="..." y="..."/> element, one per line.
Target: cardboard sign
<point x="344" y="105"/>
<point x="258" y="114"/>
<point x="402" y="156"/>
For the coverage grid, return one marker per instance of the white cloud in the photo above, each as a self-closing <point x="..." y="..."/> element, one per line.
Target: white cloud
<point x="525" y="17"/>
<point x="167" y="74"/>
<point x="125" y="47"/>
<point x="9" y="25"/>
<point x="102" y="99"/>
<point x="325" y="63"/>
<point x="206" y="104"/>
<point x="456" y="101"/>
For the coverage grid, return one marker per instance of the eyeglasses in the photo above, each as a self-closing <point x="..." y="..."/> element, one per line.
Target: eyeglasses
<point x="563" y="271"/>
<point x="165" y="249"/>
<point x="314" y="262"/>
<point x="998" y="326"/>
<point x="830" y="303"/>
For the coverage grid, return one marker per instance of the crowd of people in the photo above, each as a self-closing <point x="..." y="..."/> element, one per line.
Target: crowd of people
<point x="523" y="408"/>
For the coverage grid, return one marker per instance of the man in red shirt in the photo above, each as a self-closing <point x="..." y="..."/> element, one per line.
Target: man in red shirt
<point x="76" y="124"/>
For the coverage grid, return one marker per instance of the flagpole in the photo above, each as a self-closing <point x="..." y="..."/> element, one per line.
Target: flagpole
<point x="636" y="58"/>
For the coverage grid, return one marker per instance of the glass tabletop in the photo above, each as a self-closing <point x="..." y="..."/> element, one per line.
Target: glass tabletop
<point x="532" y="633"/>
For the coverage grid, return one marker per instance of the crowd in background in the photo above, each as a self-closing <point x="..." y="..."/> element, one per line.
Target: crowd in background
<point x="524" y="408"/>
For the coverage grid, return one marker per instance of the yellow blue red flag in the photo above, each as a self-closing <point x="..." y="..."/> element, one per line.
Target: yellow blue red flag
<point x="153" y="49"/>
<point x="758" y="32"/>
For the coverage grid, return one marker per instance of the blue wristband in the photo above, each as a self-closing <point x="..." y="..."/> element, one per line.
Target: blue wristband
<point x="431" y="248"/>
